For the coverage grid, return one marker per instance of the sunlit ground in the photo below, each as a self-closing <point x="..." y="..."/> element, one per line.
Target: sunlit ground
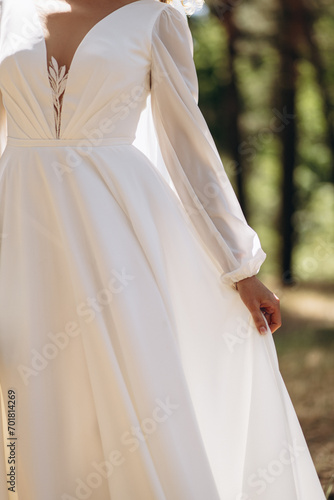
<point x="305" y="346"/>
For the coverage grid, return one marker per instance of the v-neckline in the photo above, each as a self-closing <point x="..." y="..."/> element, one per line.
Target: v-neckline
<point x="47" y="62"/>
<point x="85" y="37"/>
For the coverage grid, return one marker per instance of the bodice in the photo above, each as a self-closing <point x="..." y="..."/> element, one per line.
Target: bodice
<point x="105" y="89"/>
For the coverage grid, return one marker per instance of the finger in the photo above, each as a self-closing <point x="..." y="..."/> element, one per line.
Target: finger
<point x="275" y="321"/>
<point x="259" y="321"/>
<point x="273" y="317"/>
<point x="267" y="315"/>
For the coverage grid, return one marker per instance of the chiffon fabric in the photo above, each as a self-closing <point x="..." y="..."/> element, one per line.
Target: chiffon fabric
<point x="130" y="369"/>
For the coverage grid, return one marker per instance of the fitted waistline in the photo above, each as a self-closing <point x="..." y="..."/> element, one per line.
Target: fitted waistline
<point x="84" y="143"/>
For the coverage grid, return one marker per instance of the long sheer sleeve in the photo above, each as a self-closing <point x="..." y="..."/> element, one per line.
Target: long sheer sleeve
<point x="190" y="154"/>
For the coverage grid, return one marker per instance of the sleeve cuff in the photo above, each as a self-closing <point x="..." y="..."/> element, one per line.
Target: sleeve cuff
<point x="250" y="268"/>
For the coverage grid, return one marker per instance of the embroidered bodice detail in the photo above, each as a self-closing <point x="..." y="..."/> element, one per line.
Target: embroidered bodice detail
<point x="58" y="79"/>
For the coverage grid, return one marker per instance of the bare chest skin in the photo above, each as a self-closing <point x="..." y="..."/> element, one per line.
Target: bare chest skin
<point x="65" y="23"/>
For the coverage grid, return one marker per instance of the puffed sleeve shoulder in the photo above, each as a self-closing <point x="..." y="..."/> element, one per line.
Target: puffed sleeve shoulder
<point x="191" y="156"/>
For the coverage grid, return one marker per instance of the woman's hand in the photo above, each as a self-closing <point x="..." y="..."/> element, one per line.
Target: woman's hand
<point x="259" y="299"/>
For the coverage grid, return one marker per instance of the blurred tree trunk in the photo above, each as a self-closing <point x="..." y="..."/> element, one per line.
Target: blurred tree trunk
<point x="296" y="39"/>
<point x="292" y="18"/>
<point x="233" y="107"/>
<point x="310" y="18"/>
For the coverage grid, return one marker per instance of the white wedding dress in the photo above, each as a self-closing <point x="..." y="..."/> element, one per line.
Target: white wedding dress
<point x="130" y="369"/>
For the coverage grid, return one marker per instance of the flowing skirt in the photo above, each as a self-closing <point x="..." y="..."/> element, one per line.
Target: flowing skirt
<point x="128" y="370"/>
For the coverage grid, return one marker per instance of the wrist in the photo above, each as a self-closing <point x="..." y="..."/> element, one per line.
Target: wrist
<point x="239" y="283"/>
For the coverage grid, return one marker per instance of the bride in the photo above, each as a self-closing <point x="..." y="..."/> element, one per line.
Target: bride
<point x="136" y="355"/>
